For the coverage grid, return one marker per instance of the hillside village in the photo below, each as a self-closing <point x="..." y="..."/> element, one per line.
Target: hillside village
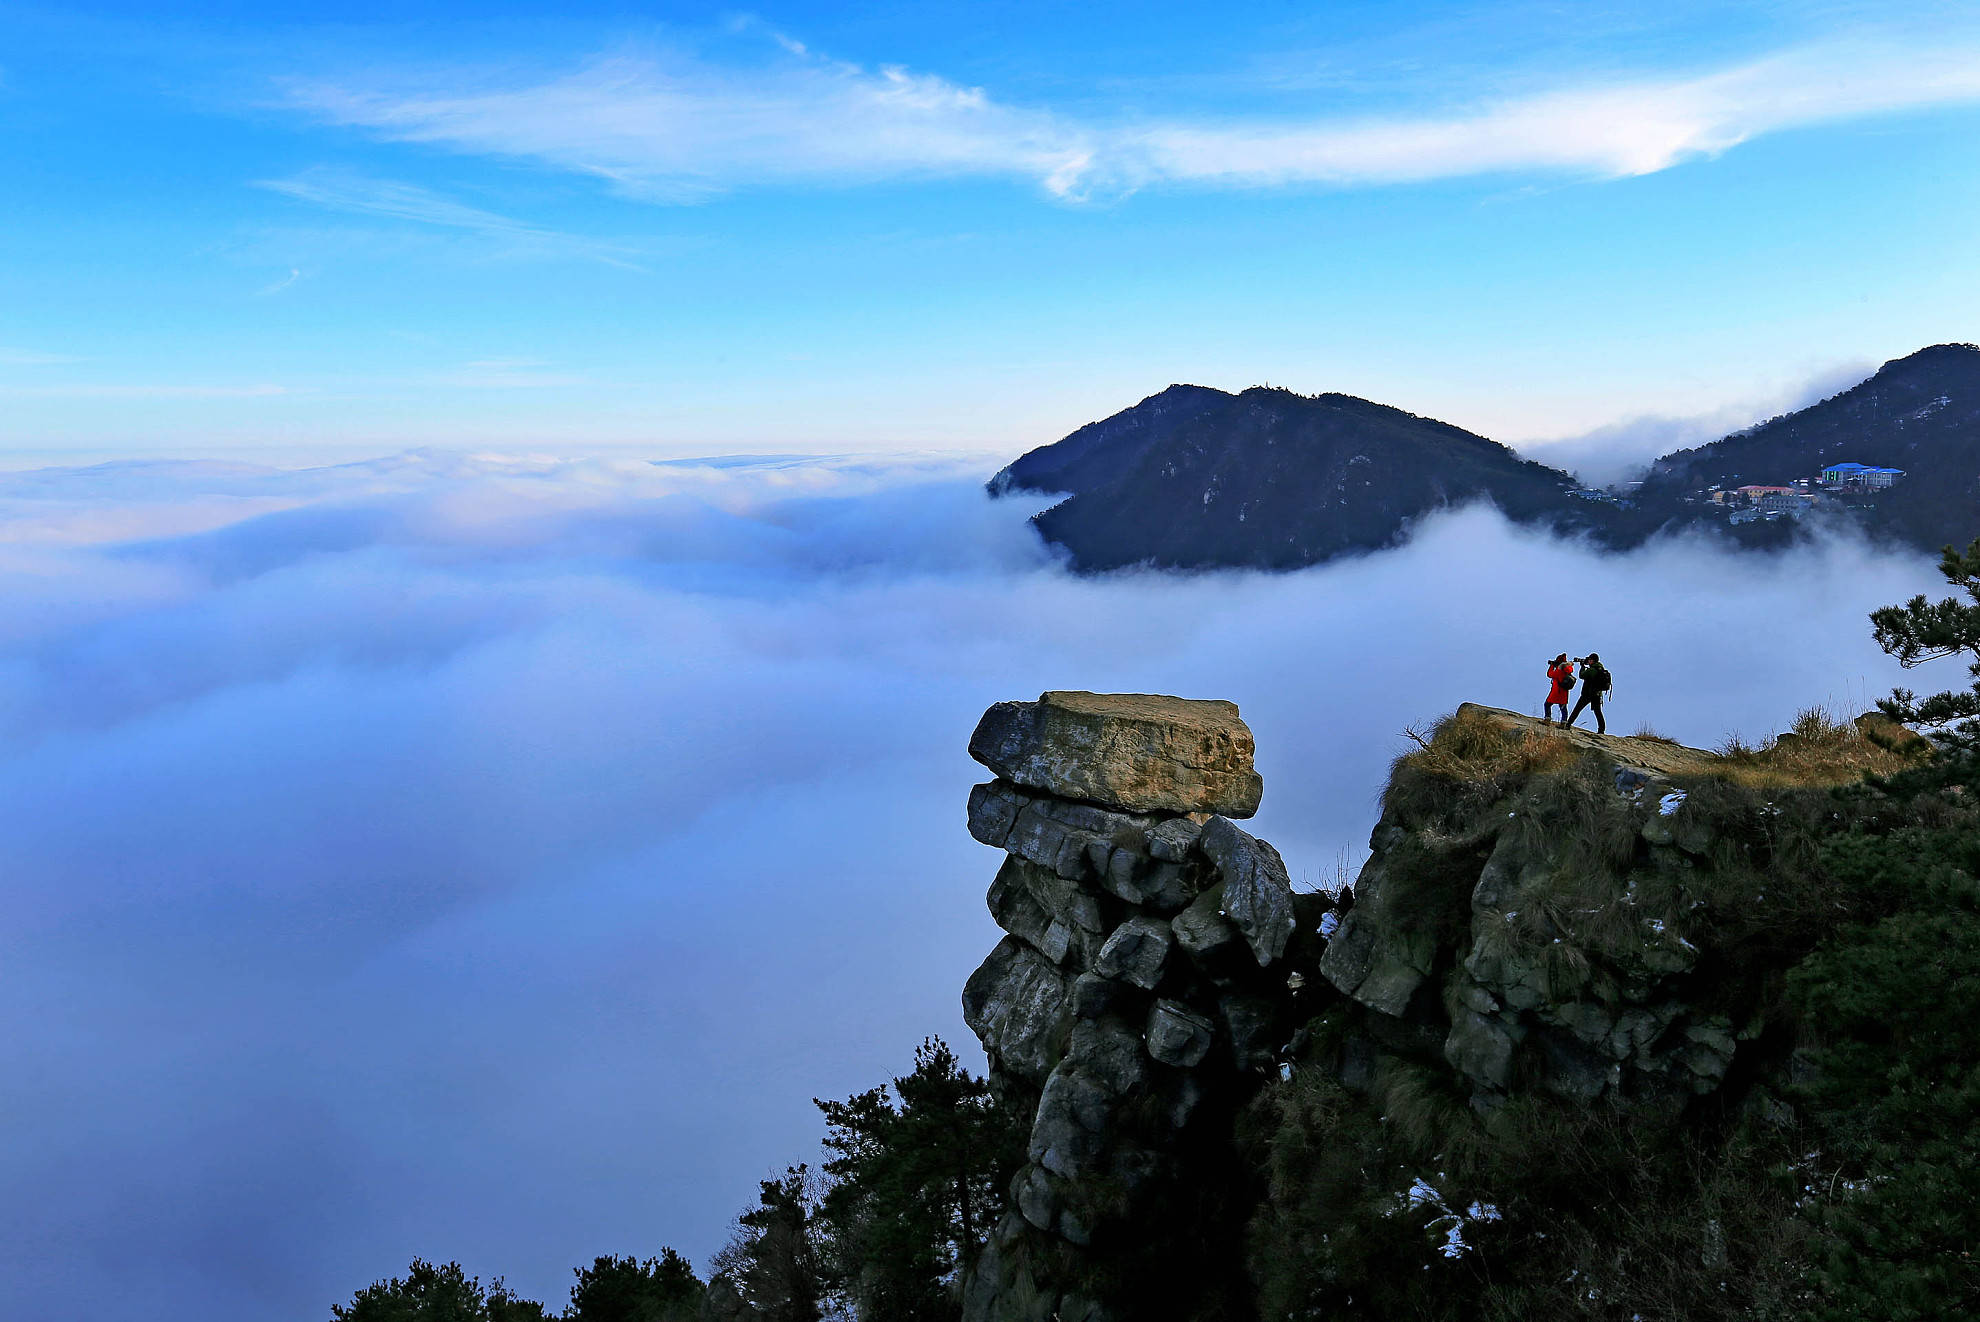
<point x="1848" y="486"/>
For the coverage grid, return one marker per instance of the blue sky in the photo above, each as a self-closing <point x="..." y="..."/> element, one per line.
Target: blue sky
<point x="296" y="230"/>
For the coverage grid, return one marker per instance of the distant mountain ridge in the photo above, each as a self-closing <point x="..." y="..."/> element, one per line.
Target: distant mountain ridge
<point x="1200" y="478"/>
<point x="1197" y="478"/>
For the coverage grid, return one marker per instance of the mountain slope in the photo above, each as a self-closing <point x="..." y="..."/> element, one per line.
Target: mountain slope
<point x="1920" y="413"/>
<point x="1096" y="452"/>
<point x="1198" y="478"/>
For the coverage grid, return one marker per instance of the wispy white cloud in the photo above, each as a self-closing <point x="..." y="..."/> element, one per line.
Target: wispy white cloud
<point x="675" y="129"/>
<point x="31" y="358"/>
<point x="89" y="390"/>
<point x="343" y="190"/>
<point x="276" y="287"/>
<point x="509" y="374"/>
<point x="1616" y="130"/>
<point x="680" y="131"/>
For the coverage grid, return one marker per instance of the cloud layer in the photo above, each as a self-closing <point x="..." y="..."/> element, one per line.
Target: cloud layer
<point x="677" y="128"/>
<point x="489" y="859"/>
<point x="344" y="190"/>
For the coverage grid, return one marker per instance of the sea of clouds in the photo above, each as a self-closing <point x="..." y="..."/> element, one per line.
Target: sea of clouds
<point x="489" y="859"/>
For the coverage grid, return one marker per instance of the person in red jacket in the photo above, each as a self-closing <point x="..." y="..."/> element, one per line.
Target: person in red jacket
<point x="1561" y="672"/>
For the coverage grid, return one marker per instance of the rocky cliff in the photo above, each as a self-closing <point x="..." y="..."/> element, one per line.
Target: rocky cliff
<point x="1598" y="923"/>
<point x="1544" y="939"/>
<point x="1140" y="995"/>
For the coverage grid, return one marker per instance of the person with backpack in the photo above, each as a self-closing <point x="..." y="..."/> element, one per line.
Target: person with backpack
<point x="1561" y="672"/>
<point x="1595" y="685"/>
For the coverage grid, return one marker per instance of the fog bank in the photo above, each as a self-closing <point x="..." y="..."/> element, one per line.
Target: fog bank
<point x="489" y="859"/>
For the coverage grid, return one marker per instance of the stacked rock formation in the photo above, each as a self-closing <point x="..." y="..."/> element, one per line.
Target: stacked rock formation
<point x="1140" y="995"/>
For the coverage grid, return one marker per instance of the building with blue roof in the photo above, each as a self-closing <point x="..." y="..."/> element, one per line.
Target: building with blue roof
<point x="1860" y="477"/>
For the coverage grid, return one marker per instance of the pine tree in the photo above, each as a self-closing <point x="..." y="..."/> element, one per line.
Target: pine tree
<point x="662" y="1289"/>
<point x="1893" y="1092"/>
<point x="771" y="1265"/>
<point x="917" y="1185"/>
<point x="427" y="1293"/>
<point x="1922" y="630"/>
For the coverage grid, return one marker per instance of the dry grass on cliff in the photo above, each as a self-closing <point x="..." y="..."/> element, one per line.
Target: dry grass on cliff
<point x="1470" y="759"/>
<point x="1817" y="751"/>
<point x="1468" y="763"/>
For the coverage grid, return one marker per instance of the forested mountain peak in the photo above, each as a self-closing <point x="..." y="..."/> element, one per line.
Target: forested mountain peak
<point x="1267" y="478"/>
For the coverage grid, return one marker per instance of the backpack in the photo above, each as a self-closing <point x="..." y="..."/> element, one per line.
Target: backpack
<point x="1595" y="678"/>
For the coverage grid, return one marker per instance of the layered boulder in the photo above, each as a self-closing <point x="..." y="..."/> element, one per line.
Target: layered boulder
<point x="1140" y="995"/>
<point x="1138" y="752"/>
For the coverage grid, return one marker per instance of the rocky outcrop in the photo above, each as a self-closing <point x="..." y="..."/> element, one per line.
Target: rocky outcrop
<point x="1886" y="733"/>
<point x="1140" y="995"/>
<point x="1575" y="918"/>
<point x="1138" y="752"/>
<point x="1551" y="934"/>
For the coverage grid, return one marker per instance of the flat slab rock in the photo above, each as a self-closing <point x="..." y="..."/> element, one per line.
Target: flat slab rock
<point x="1138" y="752"/>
